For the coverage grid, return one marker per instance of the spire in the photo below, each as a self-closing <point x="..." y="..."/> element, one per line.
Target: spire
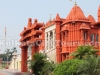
<point x="99" y="8"/>
<point x="50" y="17"/>
<point x="99" y="14"/>
<point x="57" y="17"/>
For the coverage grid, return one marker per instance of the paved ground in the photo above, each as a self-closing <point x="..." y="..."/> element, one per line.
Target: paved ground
<point x="1" y="74"/>
<point x="11" y="72"/>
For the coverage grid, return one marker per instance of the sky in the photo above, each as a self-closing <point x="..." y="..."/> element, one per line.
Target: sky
<point x="14" y="15"/>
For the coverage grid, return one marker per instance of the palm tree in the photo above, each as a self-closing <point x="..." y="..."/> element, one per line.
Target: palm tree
<point x="91" y="66"/>
<point x="37" y="63"/>
<point x="14" y="49"/>
<point x="7" y="52"/>
<point x="40" y="65"/>
<point x="83" y="51"/>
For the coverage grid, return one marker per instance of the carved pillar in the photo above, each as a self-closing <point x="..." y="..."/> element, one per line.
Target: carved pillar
<point x="66" y="38"/>
<point x="62" y="40"/>
<point x="62" y="36"/>
<point x="51" y="40"/>
<point x="88" y="36"/>
<point x="82" y="37"/>
<point x="24" y="59"/>
<point x="48" y="40"/>
<point x="58" y="22"/>
<point x="58" y="44"/>
<point x="43" y="37"/>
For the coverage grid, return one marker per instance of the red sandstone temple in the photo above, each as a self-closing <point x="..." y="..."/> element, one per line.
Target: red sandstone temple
<point x="61" y="36"/>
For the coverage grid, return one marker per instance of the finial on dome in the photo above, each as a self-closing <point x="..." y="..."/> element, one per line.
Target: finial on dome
<point x="75" y="3"/>
<point x="50" y="17"/>
<point x="99" y="14"/>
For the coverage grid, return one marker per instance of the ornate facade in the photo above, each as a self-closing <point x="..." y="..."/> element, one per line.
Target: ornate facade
<point x="61" y="36"/>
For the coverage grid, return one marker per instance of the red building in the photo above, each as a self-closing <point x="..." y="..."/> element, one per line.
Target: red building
<point x="61" y="36"/>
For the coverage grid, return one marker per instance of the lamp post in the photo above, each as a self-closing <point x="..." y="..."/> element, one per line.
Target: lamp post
<point x="14" y="57"/>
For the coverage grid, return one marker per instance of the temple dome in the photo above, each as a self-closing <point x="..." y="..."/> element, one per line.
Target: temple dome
<point x="90" y="18"/>
<point x="76" y="14"/>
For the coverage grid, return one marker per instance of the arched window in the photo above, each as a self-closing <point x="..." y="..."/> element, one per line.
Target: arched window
<point x="85" y="35"/>
<point x="92" y="37"/>
<point x="63" y="36"/>
<point x="51" y="39"/>
<point x="96" y="37"/>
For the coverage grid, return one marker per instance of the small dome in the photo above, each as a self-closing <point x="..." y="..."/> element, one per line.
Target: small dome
<point x="48" y="23"/>
<point x="90" y="18"/>
<point x="76" y="14"/>
<point x="64" y="28"/>
<point x="84" y="26"/>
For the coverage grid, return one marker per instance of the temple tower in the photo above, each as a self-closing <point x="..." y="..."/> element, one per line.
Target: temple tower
<point x="99" y="14"/>
<point x="58" y="38"/>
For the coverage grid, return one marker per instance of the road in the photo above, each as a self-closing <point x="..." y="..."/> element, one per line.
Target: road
<point x="11" y="72"/>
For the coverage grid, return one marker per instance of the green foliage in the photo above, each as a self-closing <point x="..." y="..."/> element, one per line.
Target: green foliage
<point x="91" y="66"/>
<point x="8" y="54"/>
<point x="68" y="67"/>
<point x="83" y="51"/>
<point x="40" y="65"/>
<point x="85" y="62"/>
<point x="48" y="68"/>
<point x="3" y="56"/>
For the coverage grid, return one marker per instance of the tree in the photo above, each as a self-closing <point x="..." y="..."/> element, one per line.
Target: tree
<point x="7" y="52"/>
<point x="68" y="67"/>
<point x="83" y="51"/>
<point x="48" y="68"/>
<point x="3" y="56"/>
<point x="85" y="62"/>
<point x="91" y="66"/>
<point x="14" y="49"/>
<point x="40" y="65"/>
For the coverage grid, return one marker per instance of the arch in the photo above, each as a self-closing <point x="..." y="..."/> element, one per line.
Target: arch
<point x="51" y="39"/>
<point x="92" y="37"/>
<point x="85" y="35"/>
<point x="97" y="37"/>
